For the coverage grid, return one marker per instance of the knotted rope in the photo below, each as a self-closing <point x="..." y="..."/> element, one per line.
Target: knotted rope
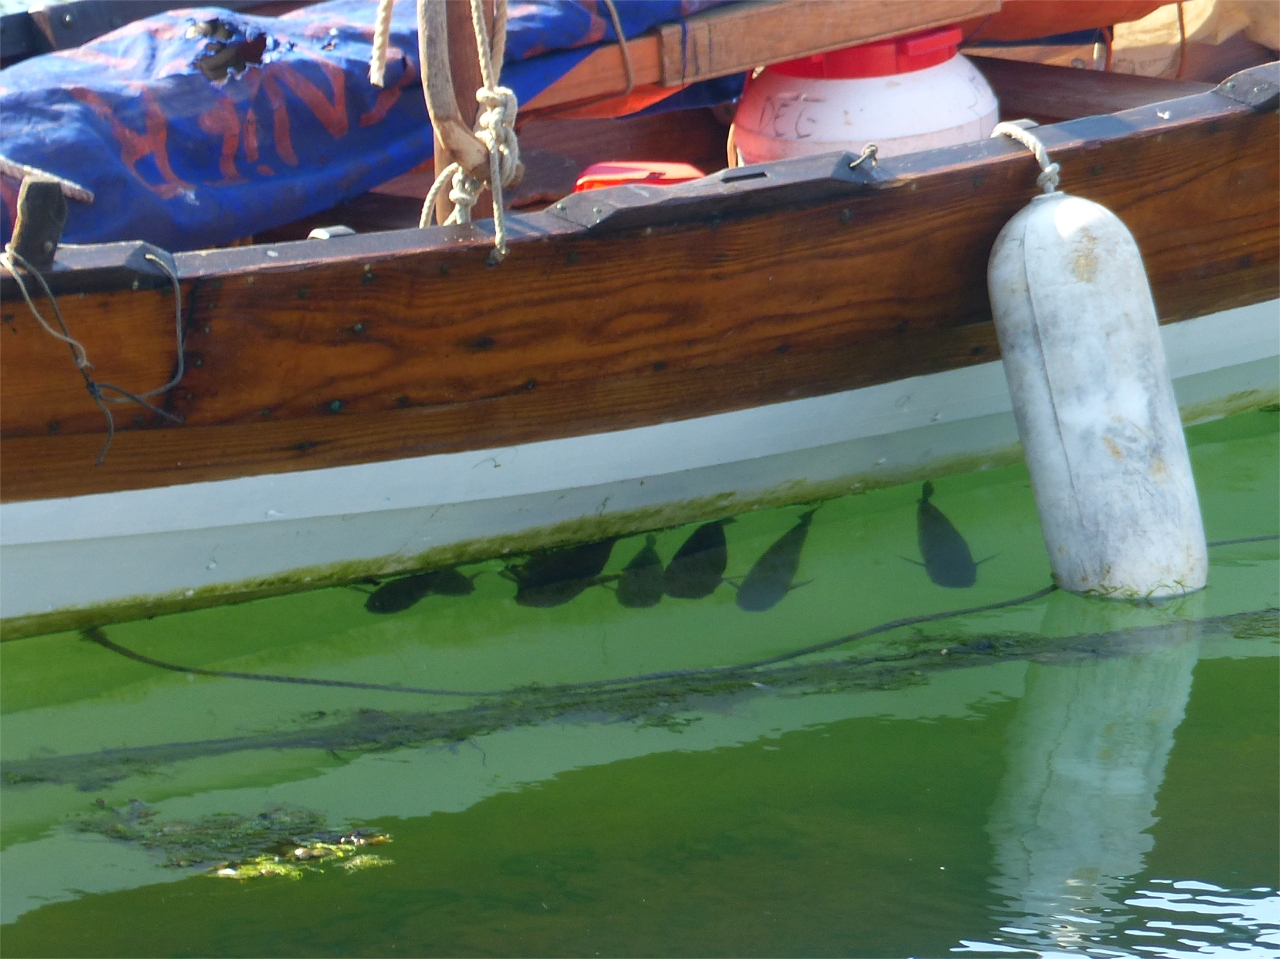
<point x="495" y="128"/>
<point x="1048" y="178"/>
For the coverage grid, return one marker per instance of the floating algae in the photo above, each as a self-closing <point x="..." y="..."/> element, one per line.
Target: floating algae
<point x="1264" y="624"/>
<point x="312" y="857"/>
<point x="652" y="699"/>
<point x="277" y="842"/>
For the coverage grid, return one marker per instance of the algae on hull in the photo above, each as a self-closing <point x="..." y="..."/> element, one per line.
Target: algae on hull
<point x="582" y="530"/>
<point x="598" y="527"/>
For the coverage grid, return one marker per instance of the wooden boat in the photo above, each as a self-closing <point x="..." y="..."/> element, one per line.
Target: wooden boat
<point x="644" y="356"/>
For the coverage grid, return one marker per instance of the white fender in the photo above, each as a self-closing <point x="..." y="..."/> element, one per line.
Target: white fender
<point x="1094" y="402"/>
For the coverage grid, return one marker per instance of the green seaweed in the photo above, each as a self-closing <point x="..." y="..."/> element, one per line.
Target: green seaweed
<point x="1264" y="624"/>
<point x="280" y="841"/>
<point x="663" y="699"/>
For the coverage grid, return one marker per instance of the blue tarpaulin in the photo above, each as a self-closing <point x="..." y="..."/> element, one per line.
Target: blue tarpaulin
<point x="287" y="126"/>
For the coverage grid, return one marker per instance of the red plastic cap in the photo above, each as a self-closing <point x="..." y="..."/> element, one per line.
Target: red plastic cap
<point x="600" y="175"/>
<point x="884" y="58"/>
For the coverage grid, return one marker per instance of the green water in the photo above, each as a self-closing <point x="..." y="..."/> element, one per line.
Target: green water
<point x="1071" y="775"/>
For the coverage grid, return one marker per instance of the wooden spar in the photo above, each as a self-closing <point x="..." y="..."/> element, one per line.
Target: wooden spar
<point x="1049" y="94"/>
<point x="42" y="213"/>
<point x="732" y="39"/>
<point x="705" y="298"/>
<point x="447" y="48"/>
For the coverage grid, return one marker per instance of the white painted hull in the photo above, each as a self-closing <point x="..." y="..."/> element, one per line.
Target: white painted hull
<point x="163" y="548"/>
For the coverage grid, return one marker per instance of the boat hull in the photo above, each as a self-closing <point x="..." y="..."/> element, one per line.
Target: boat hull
<point x="112" y="556"/>
<point x="643" y="357"/>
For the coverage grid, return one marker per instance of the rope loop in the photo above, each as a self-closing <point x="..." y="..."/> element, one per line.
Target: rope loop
<point x="1048" y="179"/>
<point x="1016" y="130"/>
<point x="464" y="194"/>
<point x="495" y="130"/>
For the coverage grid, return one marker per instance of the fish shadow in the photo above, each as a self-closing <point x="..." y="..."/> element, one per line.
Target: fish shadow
<point x="397" y="595"/>
<point x="772" y="576"/>
<point x="553" y="577"/>
<point x="946" y="557"/>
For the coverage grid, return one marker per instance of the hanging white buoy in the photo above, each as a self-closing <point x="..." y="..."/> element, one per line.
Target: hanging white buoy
<point x="1093" y="398"/>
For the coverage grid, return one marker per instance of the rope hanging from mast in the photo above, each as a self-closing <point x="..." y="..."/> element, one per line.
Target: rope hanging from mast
<point x="489" y="155"/>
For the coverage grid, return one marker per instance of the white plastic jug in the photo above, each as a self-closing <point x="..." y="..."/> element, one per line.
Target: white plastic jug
<point x="905" y="94"/>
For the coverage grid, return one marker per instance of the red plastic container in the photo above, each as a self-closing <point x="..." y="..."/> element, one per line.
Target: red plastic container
<point x="880" y="59"/>
<point x="653" y="173"/>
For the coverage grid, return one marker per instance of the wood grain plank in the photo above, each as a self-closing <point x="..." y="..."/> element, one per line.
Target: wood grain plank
<point x="1048" y="94"/>
<point x="602" y="72"/>
<point x="732" y="39"/>
<point x="578" y="309"/>
<point x="41" y="390"/>
<point x="656" y="394"/>
<point x="308" y="364"/>
<point x="725" y="40"/>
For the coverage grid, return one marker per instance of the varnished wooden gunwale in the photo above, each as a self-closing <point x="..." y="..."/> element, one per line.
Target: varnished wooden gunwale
<point x="406" y="343"/>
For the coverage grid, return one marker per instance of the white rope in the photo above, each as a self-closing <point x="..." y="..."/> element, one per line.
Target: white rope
<point x="495" y="128"/>
<point x="70" y="189"/>
<point x="381" y="39"/>
<point x="1048" y="178"/>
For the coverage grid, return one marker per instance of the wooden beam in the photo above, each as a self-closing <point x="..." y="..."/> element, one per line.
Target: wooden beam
<point x="464" y="70"/>
<point x="1049" y="94"/>
<point x="711" y="297"/>
<point x="602" y="72"/>
<point x="736" y="38"/>
<point x="732" y="39"/>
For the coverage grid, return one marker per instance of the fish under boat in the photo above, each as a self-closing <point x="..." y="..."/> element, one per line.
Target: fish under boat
<point x="644" y="356"/>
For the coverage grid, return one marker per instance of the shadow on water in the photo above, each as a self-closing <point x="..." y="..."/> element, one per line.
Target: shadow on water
<point x="400" y="594"/>
<point x="698" y="566"/>
<point x="773" y="574"/>
<point x="555" y="576"/>
<point x="641" y="582"/>
<point x="946" y="555"/>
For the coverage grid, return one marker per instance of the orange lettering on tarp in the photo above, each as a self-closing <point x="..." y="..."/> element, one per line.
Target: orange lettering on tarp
<point x="136" y="146"/>
<point x="251" y="136"/>
<point x="598" y="26"/>
<point x="332" y="115"/>
<point x="387" y="97"/>
<point x="222" y="120"/>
